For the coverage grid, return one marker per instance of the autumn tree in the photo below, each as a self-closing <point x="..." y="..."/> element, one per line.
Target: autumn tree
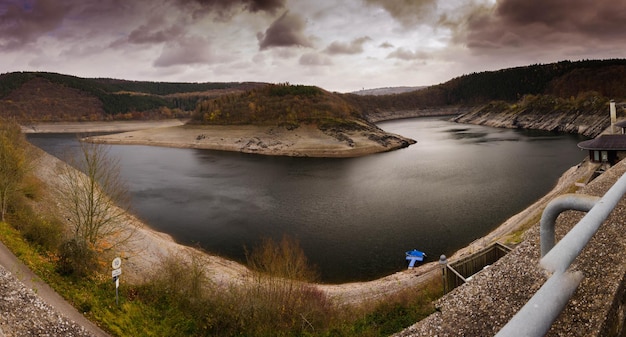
<point x="95" y="202"/>
<point x="280" y="292"/>
<point x="13" y="162"/>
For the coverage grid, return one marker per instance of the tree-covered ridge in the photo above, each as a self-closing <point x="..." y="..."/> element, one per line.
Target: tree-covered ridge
<point x="563" y="79"/>
<point x="284" y="103"/>
<point x="162" y="88"/>
<point x="281" y="104"/>
<point x="121" y="98"/>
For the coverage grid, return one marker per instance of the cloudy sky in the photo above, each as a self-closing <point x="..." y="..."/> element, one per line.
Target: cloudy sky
<point x="338" y="45"/>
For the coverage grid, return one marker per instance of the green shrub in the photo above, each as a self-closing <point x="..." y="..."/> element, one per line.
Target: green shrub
<point x="31" y="187"/>
<point x="44" y="233"/>
<point x="76" y="258"/>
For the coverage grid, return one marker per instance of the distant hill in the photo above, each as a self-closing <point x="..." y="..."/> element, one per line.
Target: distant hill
<point x="40" y="96"/>
<point x="386" y="91"/>
<point x="277" y="104"/>
<point x="566" y="79"/>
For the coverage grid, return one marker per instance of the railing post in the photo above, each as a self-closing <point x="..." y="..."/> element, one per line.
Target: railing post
<point x="443" y="262"/>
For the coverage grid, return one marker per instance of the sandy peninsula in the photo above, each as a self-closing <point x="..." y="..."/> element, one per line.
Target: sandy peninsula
<point x="89" y="127"/>
<point x="303" y="141"/>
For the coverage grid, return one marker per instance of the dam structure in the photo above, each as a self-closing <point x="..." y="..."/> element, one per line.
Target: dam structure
<point x="579" y="293"/>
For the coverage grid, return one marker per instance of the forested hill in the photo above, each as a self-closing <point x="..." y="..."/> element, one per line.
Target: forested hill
<point x="41" y="96"/>
<point x="566" y="85"/>
<point x="279" y="104"/>
<point x="566" y="79"/>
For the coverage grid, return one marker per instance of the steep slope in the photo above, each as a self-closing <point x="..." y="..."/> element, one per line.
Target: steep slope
<point x="38" y="99"/>
<point x="40" y="96"/>
<point x="566" y="79"/>
<point x="587" y="115"/>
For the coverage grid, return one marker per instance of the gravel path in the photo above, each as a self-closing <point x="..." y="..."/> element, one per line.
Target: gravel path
<point x="29" y="307"/>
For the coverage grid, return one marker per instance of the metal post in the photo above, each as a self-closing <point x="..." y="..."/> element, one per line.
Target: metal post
<point x="443" y="261"/>
<point x="116" y="280"/>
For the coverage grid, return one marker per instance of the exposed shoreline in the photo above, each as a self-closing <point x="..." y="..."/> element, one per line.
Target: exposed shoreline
<point x="89" y="127"/>
<point x="303" y="141"/>
<point x="150" y="247"/>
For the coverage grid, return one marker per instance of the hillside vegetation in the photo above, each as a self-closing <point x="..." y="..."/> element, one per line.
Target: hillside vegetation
<point x="281" y="104"/>
<point x="563" y="80"/>
<point x="40" y="96"/>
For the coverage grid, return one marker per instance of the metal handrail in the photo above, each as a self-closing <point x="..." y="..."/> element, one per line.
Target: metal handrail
<point x="537" y="316"/>
<point x="558" y="205"/>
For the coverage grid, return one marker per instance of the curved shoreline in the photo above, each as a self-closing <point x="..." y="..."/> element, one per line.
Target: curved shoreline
<point x="150" y="247"/>
<point x="304" y="141"/>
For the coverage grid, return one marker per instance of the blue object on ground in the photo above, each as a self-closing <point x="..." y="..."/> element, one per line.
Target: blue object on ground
<point x="414" y="256"/>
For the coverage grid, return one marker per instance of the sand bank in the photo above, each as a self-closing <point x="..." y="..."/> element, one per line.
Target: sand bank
<point x="88" y="127"/>
<point x="303" y="141"/>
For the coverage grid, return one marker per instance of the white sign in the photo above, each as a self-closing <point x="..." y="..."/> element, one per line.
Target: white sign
<point x="117" y="263"/>
<point x="116" y="272"/>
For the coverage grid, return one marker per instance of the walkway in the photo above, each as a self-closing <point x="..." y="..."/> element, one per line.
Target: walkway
<point x="29" y="307"/>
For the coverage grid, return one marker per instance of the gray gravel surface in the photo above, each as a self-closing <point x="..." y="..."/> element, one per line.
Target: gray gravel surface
<point x="29" y="307"/>
<point x="23" y="313"/>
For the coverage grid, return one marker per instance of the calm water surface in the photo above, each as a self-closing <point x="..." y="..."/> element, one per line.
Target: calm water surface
<point x="354" y="217"/>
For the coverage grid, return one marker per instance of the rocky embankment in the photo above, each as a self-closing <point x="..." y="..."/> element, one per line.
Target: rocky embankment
<point x="387" y="115"/>
<point x="589" y="125"/>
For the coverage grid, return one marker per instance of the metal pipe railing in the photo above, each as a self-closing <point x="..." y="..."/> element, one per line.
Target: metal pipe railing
<point x="561" y="256"/>
<point x="537" y="316"/>
<point x="560" y="204"/>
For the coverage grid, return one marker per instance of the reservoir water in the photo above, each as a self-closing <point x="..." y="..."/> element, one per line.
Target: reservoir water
<point x="354" y="217"/>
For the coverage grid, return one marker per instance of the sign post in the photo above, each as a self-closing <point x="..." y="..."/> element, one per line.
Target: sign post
<point x="117" y="271"/>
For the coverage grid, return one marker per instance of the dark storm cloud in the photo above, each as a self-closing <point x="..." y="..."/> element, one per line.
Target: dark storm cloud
<point x="408" y="12"/>
<point x="225" y="8"/>
<point x="354" y="47"/>
<point x="315" y="59"/>
<point x="286" y="31"/>
<point x="407" y="55"/>
<point x="21" y="23"/>
<point x="185" y="50"/>
<point x="520" y="24"/>
<point x="147" y="34"/>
